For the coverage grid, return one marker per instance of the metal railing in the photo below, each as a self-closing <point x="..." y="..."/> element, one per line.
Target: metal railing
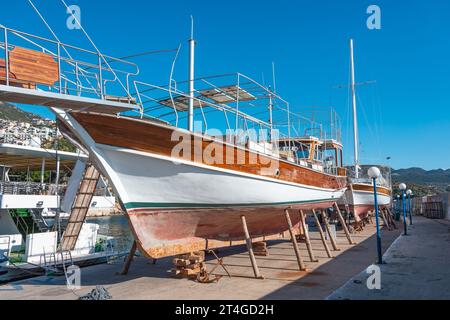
<point x="165" y="103"/>
<point x="21" y="224"/>
<point x="4" y="254"/>
<point x="168" y="104"/>
<point x="29" y="188"/>
<point x="75" y="74"/>
<point x="363" y="177"/>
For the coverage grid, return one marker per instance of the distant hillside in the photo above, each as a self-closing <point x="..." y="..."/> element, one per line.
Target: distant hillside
<point x="12" y="113"/>
<point x="419" y="175"/>
<point x="424" y="182"/>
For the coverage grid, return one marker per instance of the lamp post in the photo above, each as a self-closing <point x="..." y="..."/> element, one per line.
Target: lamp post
<point x="398" y="208"/>
<point x="374" y="173"/>
<point x="409" y="194"/>
<point x="402" y="187"/>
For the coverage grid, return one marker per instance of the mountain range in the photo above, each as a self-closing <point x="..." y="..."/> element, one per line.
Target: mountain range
<point x="421" y="181"/>
<point x="12" y="113"/>
<point x="421" y="176"/>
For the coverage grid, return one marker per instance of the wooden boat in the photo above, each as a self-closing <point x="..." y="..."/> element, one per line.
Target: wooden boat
<point x="176" y="203"/>
<point x="360" y="199"/>
<point x="184" y="189"/>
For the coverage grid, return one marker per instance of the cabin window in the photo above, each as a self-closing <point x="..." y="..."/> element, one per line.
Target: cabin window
<point x="318" y="154"/>
<point x="330" y="156"/>
<point x="303" y="152"/>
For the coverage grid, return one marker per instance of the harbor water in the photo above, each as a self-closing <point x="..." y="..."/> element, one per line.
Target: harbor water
<point x="117" y="227"/>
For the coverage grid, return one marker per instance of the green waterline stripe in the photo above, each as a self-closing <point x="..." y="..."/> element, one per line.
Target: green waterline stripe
<point x="142" y="205"/>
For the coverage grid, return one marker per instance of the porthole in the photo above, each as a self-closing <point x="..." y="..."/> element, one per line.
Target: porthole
<point x="277" y="173"/>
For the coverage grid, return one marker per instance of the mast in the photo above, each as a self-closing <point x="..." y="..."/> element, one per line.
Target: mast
<point x="355" y="118"/>
<point x="271" y="117"/>
<point x="191" y="77"/>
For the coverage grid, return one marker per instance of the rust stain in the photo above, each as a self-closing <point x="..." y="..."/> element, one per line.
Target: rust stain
<point x="291" y="274"/>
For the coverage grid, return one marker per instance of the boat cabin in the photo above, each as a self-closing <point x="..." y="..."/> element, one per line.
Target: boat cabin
<point x="314" y="153"/>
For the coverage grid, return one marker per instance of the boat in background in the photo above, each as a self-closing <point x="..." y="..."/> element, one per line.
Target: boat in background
<point x="359" y="197"/>
<point x="29" y="210"/>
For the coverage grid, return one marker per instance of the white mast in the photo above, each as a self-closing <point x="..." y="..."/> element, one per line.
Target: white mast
<point x="355" y="118"/>
<point x="191" y="77"/>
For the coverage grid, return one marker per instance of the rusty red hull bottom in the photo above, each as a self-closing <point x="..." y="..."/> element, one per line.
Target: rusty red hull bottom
<point x="361" y="211"/>
<point x="162" y="233"/>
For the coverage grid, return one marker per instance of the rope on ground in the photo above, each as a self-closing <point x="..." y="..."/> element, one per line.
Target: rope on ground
<point x="99" y="293"/>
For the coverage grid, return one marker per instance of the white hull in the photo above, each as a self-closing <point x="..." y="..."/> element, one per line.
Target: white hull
<point x="154" y="181"/>
<point x="365" y="198"/>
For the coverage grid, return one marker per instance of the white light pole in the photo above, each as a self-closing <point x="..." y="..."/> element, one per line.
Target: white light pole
<point x="409" y="193"/>
<point x="374" y="173"/>
<point x="402" y="187"/>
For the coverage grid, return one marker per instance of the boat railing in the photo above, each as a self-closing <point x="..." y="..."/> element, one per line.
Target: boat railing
<point x="42" y="189"/>
<point x="240" y="106"/>
<point x="4" y="254"/>
<point x="20" y="222"/>
<point x="383" y="181"/>
<point x="30" y="188"/>
<point x="220" y="105"/>
<point x="69" y="70"/>
<point x="324" y="123"/>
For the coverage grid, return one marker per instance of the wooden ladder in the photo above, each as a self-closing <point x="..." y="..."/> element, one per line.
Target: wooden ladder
<point x="80" y="208"/>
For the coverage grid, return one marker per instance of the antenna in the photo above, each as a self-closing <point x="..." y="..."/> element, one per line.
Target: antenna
<point x="171" y="80"/>
<point x="355" y="117"/>
<point x="191" y="77"/>
<point x="273" y="78"/>
<point x="192" y="27"/>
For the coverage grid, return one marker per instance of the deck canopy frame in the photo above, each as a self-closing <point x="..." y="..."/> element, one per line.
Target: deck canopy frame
<point x="228" y="103"/>
<point x="318" y="128"/>
<point x="245" y="104"/>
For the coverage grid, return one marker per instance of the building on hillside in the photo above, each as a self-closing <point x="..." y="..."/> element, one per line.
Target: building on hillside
<point x="26" y="134"/>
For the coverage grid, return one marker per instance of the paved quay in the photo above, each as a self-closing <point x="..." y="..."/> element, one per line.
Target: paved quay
<point x="280" y="269"/>
<point x="416" y="266"/>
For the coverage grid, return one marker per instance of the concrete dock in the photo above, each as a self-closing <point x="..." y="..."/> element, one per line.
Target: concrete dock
<point x="280" y="269"/>
<point x="417" y="266"/>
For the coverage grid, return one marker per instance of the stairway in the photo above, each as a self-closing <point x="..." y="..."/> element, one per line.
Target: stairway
<point x="42" y="224"/>
<point x="80" y="208"/>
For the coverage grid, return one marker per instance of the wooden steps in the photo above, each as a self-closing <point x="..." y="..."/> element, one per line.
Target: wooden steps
<point x="80" y="208"/>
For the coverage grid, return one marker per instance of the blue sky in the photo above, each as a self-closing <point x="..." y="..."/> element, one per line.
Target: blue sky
<point x="406" y="115"/>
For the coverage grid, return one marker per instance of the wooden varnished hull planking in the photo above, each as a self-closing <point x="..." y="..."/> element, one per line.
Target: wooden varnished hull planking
<point x="146" y="137"/>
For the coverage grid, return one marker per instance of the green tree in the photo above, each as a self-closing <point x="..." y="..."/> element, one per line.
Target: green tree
<point x="63" y="145"/>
